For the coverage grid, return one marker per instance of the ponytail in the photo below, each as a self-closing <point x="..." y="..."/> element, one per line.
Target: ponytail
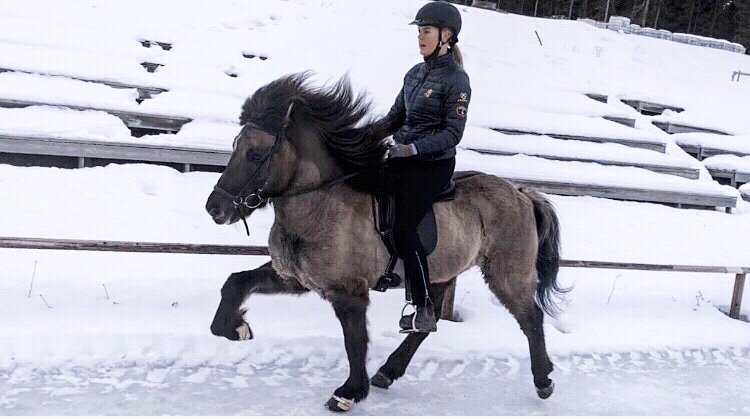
<point x="457" y="55"/>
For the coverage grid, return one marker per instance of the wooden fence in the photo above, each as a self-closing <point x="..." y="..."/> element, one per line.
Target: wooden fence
<point x="149" y="247"/>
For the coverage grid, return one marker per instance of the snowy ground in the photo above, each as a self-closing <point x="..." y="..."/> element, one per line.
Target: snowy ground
<point x="698" y="382"/>
<point x="95" y="333"/>
<point x="128" y="333"/>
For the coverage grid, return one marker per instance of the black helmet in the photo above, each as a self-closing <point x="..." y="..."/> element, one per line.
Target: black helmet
<point x="441" y="15"/>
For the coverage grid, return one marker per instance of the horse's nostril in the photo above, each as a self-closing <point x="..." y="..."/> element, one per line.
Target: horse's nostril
<point x="215" y="212"/>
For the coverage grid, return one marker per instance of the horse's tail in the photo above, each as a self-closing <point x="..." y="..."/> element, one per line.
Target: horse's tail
<point x="548" y="255"/>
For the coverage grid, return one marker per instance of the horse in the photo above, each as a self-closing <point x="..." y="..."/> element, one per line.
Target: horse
<point x="300" y="149"/>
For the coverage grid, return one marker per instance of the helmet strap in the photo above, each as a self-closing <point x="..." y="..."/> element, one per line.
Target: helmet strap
<point x="439" y="45"/>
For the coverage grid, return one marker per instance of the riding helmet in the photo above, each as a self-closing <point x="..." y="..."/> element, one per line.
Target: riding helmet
<point x="441" y="15"/>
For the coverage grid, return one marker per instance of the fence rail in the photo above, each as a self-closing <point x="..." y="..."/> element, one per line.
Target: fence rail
<point x="213" y="249"/>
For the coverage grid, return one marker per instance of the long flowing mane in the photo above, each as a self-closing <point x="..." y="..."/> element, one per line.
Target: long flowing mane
<point x="335" y="113"/>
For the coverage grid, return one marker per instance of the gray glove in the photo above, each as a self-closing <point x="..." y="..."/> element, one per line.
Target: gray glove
<point x="401" y="150"/>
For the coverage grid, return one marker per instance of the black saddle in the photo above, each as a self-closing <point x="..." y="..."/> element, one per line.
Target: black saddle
<point x="384" y="210"/>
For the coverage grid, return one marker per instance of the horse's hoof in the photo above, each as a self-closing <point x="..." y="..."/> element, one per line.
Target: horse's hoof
<point x="544" y="393"/>
<point x="244" y="331"/>
<point x="380" y="380"/>
<point x="339" y="404"/>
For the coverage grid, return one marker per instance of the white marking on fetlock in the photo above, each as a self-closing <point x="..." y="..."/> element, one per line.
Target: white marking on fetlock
<point x="244" y="331"/>
<point x="343" y="403"/>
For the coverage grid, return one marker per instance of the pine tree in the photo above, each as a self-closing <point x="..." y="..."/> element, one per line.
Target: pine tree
<point x="742" y="22"/>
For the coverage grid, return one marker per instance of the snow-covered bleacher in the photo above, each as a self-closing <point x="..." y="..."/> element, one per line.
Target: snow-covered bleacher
<point x="89" y="95"/>
<point x="623" y="24"/>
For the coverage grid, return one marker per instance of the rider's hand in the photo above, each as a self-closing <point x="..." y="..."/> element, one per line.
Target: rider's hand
<point x="401" y="150"/>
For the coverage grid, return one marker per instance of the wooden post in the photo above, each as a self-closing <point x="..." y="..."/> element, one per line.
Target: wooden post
<point x="739" y="287"/>
<point x="606" y="12"/>
<point x="448" y="299"/>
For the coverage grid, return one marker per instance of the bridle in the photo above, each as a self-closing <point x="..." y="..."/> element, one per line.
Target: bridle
<point x="256" y="198"/>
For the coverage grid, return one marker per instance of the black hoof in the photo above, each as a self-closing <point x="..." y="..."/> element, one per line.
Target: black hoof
<point x="380" y="380"/>
<point x="544" y="393"/>
<point x="339" y="404"/>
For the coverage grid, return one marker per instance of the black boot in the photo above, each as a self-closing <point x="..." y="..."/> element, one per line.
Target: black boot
<point x="421" y="321"/>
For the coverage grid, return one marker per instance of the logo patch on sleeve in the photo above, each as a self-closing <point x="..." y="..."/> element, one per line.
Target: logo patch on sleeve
<point x="463" y="97"/>
<point x="461" y="111"/>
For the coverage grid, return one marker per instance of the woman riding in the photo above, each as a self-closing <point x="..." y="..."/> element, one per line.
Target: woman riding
<point x="427" y="122"/>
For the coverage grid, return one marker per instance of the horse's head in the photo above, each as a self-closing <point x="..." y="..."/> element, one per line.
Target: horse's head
<point x="262" y="161"/>
<point x="293" y="137"/>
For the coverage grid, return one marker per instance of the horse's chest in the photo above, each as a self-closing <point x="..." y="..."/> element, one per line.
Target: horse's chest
<point x="294" y="257"/>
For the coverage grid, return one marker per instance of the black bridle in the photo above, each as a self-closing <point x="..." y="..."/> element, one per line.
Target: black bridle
<point x="256" y="198"/>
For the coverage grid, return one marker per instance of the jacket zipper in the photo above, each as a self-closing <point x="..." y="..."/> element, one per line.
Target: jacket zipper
<point x="416" y="89"/>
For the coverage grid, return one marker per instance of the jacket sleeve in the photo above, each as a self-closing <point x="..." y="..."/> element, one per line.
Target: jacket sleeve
<point x="396" y="116"/>
<point x="455" y="111"/>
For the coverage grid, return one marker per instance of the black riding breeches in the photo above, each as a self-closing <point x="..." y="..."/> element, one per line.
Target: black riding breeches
<point x="416" y="184"/>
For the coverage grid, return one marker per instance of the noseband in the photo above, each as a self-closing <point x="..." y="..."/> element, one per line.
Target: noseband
<point x="258" y="196"/>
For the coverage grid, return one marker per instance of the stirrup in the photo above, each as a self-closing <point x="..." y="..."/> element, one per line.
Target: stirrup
<point x="406" y="322"/>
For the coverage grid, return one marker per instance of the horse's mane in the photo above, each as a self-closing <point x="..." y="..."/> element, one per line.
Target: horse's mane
<point x="334" y="112"/>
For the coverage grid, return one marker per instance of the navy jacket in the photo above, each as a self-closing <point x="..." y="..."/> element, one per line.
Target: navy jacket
<point x="430" y="111"/>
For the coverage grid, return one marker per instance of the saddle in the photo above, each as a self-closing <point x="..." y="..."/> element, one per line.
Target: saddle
<point x="384" y="210"/>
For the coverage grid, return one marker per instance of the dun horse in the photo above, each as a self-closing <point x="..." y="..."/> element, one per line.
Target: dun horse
<point x="301" y="147"/>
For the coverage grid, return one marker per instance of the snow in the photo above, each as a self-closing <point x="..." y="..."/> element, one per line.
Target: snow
<point x="487" y="139"/>
<point x="728" y="162"/>
<point x="538" y="169"/>
<point x="736" y="144"/>
<point x="116" y="333"/>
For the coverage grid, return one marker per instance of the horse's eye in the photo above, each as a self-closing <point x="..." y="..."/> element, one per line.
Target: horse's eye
<point x="253" y="155"/>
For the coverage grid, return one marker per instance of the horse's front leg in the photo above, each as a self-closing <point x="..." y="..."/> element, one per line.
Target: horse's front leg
<point x="228" y="320"/>
<point x="350" y="308"/>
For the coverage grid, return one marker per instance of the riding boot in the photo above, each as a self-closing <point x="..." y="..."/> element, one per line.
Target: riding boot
<point x="421" y="321"/>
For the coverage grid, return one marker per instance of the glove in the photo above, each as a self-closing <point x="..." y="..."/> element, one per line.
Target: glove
<point x="401" y="150"/>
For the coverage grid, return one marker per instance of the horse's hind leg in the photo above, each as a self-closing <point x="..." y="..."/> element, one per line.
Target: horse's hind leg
<point x="351" y="312"/>
<point x="516" y="291"/>
<point x="395" y="367"/>
<point x="228" y="321"/>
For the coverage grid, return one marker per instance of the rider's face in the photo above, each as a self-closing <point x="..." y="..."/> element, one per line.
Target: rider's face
<point x="428" y="39"/>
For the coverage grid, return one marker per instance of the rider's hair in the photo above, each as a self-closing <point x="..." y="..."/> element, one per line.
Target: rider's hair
<point x="457" y="55"/>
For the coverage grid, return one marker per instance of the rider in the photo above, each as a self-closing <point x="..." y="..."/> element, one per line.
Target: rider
<point x="428" y="120"/>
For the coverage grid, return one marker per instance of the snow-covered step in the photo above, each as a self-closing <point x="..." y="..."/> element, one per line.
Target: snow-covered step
<point x="138" y="122"/>
<point x="598" y="97"/>
<point x="745" y="191"/>
<point x="650" y="108"/>
<point x="704" y="145"/>
<point x="648" y="145"/>
<point x="61" y="91"/>
<point x="144" y="92"/>
<point x="492" y="142"/>
<point x="588" y="179"/>
<point x="77" y="152"/>
<point x="734" y="169"/>
<point x="623" y="120"/>
<point x="676" y="128"/>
